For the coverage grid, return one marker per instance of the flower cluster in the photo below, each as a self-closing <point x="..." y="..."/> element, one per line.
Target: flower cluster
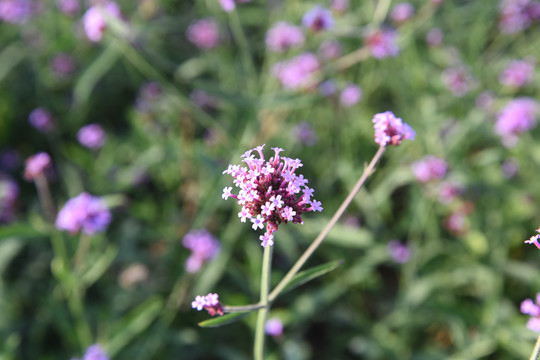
<point x="434" y="37"/>
<point x="283" y="36"/>
<point x="458" y="80"/>
<point x="402" y="12"/>
<point x="35" y="165"/>
<point x="517" y="117"/>
<point x="391" y="130"/>
<point x="270" y="192"/>
<point x="382" y="43"/>
<point x="518" y="15"/>
<point x="92" y="136"/>
<point x="273" y="327"/>
<point x="529" y="307"/>
<point x="399" y="252"/>
<point x="350" y="95"/>
<point x="204" y="33"/>
<point x="305" y="134"/>
<point x="209" y="302"/>
<point x="230" y="5"/>
<point x="518" y="73"/>
<point x="94" y="352"/>
<point x="535" y="239"/>
<point x="16" y="11"/>
<point x="84" y="212"/>
<point x="41" y="119"/>
<point x="429" y="168"/>
<point x="203" y="246"/>
<point x="95" y="20"/>
<point x="318" y="19"/>
<point x="296" y="72"/>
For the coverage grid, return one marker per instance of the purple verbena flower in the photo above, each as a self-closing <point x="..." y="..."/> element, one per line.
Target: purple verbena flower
<point x="330" y="49"/>
<point x="351" y="95"/>
<point x="203" y="33"/>
<point x="434" y="37"/>
<point x="63" y="64"/>
<point x="517" y="15"/>
<point x="318" y="19"/>
<point x="41" y="119"/>
<point x="282" y="36"/>
<point x="209" y="302"/>
<point x="95" y="352"/>
<point x="16" y="11"/>
<point x="327" y="88"/>
<point x="85" y="213"/>
<point x="95" y="21"/>
<point x="518" y="116"/>
<point x="35" y="165"/>
<point x="203" y="245"/>
<point x="429" y="168"/>
<point x="485" y="100"/>
<point x="230" y="5"/>
<point x="382" y="43"/>
<point x="457" y="223"/>
<point x="535" y="239"/>
<point x="509" y="168"/>
<point x="296" y="73"/>
<point x="92" y="136"/>
<point x="339" y="6"/>
<point x="458" y="80"/>
<point x="68" y="7"/>
<point x="391" y="130"/>
<point x="203" y="100"/>
<point x="531" y="308"/>
<point x="9" y="192"/>
<point x="271" y="187"/>
<point x="399" y="252"/>
<point x="402" y="12"/>
<point x="448" y="191"/>
<point x="305" y="134"/>
<point x="10" y="159"/>
<point x="518" y="73"/>
<point x="273" y="327"/>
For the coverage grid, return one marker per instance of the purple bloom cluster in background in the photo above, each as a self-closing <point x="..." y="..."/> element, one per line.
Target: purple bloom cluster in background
<point x="269" y="192"/>
<point x="518" y="15"/>
<point x="339" y="5"/>
<point x="351" y="95"/>
<point x="203" y="100"/>
<point x="382" y="43"/>
<point x="16" y="11"/>
<point x="327" y="88"/>
<point x="318" y="19"/>
<point x="41" y="119"/>
<point x="94" y="352"/>
<point x="85" y="213"/>
<point x="296" y="72"/>
<point x="273" y="327"/>
<point x="399" y="252"/>
<point x="518" y="73"/>
<point x="203" y="246"/>
<point x="209" y="302"/>
<point x="283" y="36"/>
<point x="390" y="129"/>
<point x="458" y="80"/>
<point x="531" y="308"/>
<point x="92" y="136"/>
<point x="9" y="191"/>
<point x="203" y="33"/>
<point x="434" y="37"/>
<point x="402" y="12"/>
<point x="63" y="64"/>
<point x="518" y="116"/>
<point x="95" y="22"/>
<point x="534" y="239"/>
<point x="448" y="191"/>
<point x="230" y="5"/>
<point x="69" y="7"/>
<point x="35" y="165"/>
<point x="429" y="168"/>
<point x="305" y="134"/>
<point x="330" y="49"/>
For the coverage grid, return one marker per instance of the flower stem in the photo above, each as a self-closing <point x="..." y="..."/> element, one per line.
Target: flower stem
<point x="258" y="349"/>
<point x="315" y="244"/>
<point x="380" y="12"/>
<point x="45" y="198"/>
<point x="241" y="308"/>
<point x="536" y="351"/>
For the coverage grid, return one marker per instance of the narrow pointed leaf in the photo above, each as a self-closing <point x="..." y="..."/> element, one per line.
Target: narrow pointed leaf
<point x="310" y="274"/>
<point x="224" y="320"/>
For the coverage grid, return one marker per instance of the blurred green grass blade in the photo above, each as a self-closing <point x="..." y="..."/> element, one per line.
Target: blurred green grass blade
<point x="341" y="235"/>
<point x="19" y="230"/>
<point x="224" y="320"/>
<point x="310" y="274"/>
<point x="9" y="248"/>
<point x="9" y="58"/>
<point x="100" y="266"/>
<point x="94" y="72"/>
<point x="133" y="324"/>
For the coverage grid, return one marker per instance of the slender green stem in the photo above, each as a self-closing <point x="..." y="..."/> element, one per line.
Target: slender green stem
<point x="380" y="12"/>
<point x="45" y="197"/>
<point x="315" y="244"/>
<point x="245" y="55"/>
<point x="536" y="352"/>
<point x="232" y="309"/>
<point x="82" y="249"/>
<point x="258" y="349"/>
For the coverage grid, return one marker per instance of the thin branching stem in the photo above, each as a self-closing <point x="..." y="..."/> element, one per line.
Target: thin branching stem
<point x="258" y="349"/>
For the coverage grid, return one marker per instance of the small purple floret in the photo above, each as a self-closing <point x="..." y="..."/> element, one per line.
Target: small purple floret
<point x="85" y="213"/>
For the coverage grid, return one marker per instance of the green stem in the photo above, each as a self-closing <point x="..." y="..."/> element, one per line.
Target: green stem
<point x="258" y="349"/>
<point x="315" y="244"/>
<point x="380" y="12"/>
<point x="241" y="308"/>
<point x="82" y="249"/>
<point x="245" y="55"/>
<point x="536" y="352"/>
<point x="45" y="197"/>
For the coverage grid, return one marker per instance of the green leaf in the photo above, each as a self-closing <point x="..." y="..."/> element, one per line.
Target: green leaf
<point x="99" y="266"/>
<point x="10" y="57"/>
<point x="19" y="230"/>
<point x="310" y="274"/>
<point x="9" y="248"/>
<point x="224" y="320"/>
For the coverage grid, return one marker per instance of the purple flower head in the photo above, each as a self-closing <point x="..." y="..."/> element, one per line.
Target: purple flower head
<point x="296" y="72"/>
<point x="41" y="119"/>
<point x="434" y="37"/>
<point x="84" y="212"/>
<point x="399" y="252"/>
<point x="531" y="308"/>
<point x="339" y="6"/>
<point x="283" y="36"/>
<point x="534" y="239"/>
<point x="63" y="64"/>
<point x="457" y="223"/>
<point x="92" y="136"/>
<point x="509" y="168"/>
<point x="16" y="11"/>
<point x="69" y="7"/>
<point x="517" y="117"/>
<point x="95" y="352"/>
<point x="203" y="33"/>
<point x="327" y="88"/>
<point x="448" y="191"/>
<point x="9" y="191"/>
<point x="458" y="80"/>
<point x="203" y="246"/>
<point x="209" y="302"/>
<point x="351" y="95"/>
<point x="305" y="134"/>
<point x="318" y="19"/>
<point x="35" y="165"/>
<point x="330" y="49"/>
<point x="402" y="12"/>
<point x="391" y="130"/>
<point x="382" y="43"/>
<point x="95" y="20"/>
<point x="429" y="168"/>
<point x="518" y="73"/>
<point x="270" y="192"/>
<point x="273" y="327"/>
<point x="10" y="159"/>
<point x="517" y="15"/>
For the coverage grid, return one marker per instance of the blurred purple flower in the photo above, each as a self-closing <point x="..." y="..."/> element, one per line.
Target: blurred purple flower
<point x="535" y="240"/>
<point x="69" y="7"/>
<point x="509" y="168"/>
<point x="382" y="43"/>
<point x="203" y="100"/>
<point x="458" y="80"/>
<point x="448" y="191"/>
<point x="9" y="191"/>
<point x="282" y="36"/>
<point x="95" y="352"/>
<point x="517" y="15"/>
<point x="16" y="11"/>
<point x="305" y="134"/>
<point x="94" y="20"/>
<point x="209" y="302"/>
<point x="273" y="327"/>
<point x="429" y="168"/>
<point x="434" y="37"/>
<point x="10" y="159"/>
<point x="399" y="252"/>
<point x="456" y="223"/>
<point x="330" y="49"/>
<point x="531" y="308"/>
<point x="402" y="12"/>
<point x="230" y="5"/>
<point x="518" y="116"/>
<point x="203" y="246"/>
<point x="149" y="93"/>
<point x="41" y="119"/>
<point x="203" y="33"/>
<point x="351" y="95"/>
<point x="84" y="212"/>
<point x="339" y="5"/>
<point x="295" y="73"/>
<point x="318" y="19"/>
<point x="485" y="100"/>
<point x="92" y="136"/>
<point x="391" y="130"/>
<point x="518" y="73"/>
<point x="63" y="64"/>
<point x="327" y="88"/>
<point x="35" y="165"/>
